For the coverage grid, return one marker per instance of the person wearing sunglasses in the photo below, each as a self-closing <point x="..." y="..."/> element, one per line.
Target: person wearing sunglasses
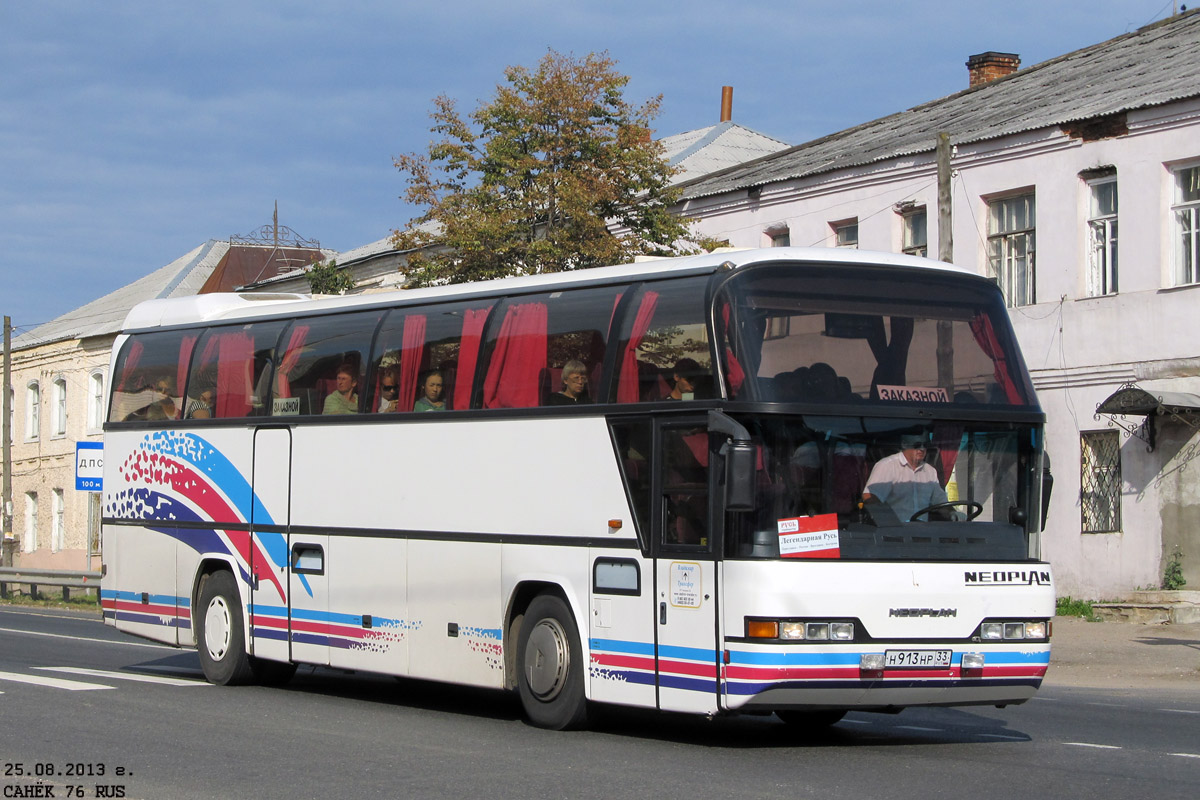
<point x="389" y="390"/>
<point x="905" y="481"/>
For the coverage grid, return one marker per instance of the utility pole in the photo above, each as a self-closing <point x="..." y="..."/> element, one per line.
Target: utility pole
<point x="945" y="337"/>
<point x="6" y="433"/>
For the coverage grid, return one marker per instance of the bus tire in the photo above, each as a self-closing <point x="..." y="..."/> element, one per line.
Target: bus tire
<point x="812" y="721"/>
<point x="220" y="635"/>
<point x="551" y="666"/>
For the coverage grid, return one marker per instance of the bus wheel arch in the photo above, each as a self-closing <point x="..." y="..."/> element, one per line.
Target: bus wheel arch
<point x="219" y="622"/>
<point x="547" y="665"/>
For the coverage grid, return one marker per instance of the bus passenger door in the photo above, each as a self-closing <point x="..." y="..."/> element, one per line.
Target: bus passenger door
<point x="270" y="512"/>
<point x="686" y="653"/>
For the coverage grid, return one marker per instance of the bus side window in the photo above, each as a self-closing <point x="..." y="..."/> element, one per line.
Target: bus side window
<point x="314" y="349"/>
<point x="234" y="363"/>
<point x="150" y="372"/>
<point x="664" y="325"/>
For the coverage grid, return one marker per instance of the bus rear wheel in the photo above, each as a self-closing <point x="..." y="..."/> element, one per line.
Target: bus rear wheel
<point x="220" y="635"/>
<point x="551" y="666"/>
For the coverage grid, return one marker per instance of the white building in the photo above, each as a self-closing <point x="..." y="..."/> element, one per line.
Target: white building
<point x="1047" y="162"/>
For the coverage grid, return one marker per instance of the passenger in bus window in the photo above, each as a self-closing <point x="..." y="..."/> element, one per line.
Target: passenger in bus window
<point x="574" y="383"/>
<point x="389" y="390"/>
<point x="691" y="381"/>
<point x="202" y="407"/>
<point x="905" y="482"/>
<point x="164" y="407"/>
<point x="344" y="399"/>
<point x="431" y="398"/>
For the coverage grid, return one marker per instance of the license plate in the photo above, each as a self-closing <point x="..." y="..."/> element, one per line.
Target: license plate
<point x="916" y="659"/>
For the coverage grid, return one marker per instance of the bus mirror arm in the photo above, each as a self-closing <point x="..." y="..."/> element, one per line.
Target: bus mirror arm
<point x="1047" y="488"/>
<point x="741" y="457"/>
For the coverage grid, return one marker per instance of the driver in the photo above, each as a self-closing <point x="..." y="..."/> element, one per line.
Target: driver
<point x="904" y="481"/>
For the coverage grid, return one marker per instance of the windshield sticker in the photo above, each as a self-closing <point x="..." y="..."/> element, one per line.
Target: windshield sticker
<point x="809" y="537"/>
<point x="914" y="394"/>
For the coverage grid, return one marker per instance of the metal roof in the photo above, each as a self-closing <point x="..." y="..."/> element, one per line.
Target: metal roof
<point x="183" y="277"/>
<point x="717" y="147"/>
<point x="1151" y="66"/>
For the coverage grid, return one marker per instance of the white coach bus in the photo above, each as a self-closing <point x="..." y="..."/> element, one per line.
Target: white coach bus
<point x="650" y="485"/>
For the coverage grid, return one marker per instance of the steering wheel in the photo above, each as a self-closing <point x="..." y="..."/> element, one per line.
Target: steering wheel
<point x="973" y="509"/>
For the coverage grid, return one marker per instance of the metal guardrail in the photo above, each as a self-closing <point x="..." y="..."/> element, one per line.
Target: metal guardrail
<point x="64" y="578"/>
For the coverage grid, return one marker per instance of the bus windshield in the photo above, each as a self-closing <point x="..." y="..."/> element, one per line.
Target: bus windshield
<point x="965" y="500"/>
<point x="820" y="335"/>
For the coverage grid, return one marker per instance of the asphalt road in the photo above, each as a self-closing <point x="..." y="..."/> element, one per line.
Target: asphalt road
<point x="78" y="699"/>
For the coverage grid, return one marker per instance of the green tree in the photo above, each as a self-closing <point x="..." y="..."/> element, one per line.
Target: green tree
<point x="324" y="277"/>
<point x="539" y="179"/>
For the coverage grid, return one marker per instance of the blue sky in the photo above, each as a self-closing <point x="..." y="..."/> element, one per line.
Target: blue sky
<point x="131" y="132"/>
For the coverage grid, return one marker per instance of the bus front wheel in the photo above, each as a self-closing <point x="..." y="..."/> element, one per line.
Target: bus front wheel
<point x="551" y="664"/>
<point x="220" y="637"/>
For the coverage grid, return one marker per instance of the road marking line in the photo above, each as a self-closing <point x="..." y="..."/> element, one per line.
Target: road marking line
<point x="55" y="683"/>
<point x="856" y="722"/>
<point x="918" y="728"/>
<point x="1185" y="755"/>
<point x="1000" y="736"/>
<point x="1179" y="711"/>
<point x="126" y="676"/>
<point x="88" y="639"/>
<point x="1089" y="744"/>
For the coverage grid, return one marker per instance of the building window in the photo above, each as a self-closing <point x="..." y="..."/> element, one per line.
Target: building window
<point x="31" y="522"/>
<point x="845" y="233"/>
<point x="95" y="401"/>
<point x="779" y="236"/>
<point x="915" y="242"/>
<point x="60" y="406"/>
<point x="1186" y="213"/>
<point x="1100" y="481"/>
<point x="58" y="536"/>
<point x="33" y="410"/>
<point x="1102" y="237"/>
<point x="1011" y="248"/>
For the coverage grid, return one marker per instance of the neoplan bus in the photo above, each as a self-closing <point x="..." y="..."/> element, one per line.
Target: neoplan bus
<point x="689" y="534"/>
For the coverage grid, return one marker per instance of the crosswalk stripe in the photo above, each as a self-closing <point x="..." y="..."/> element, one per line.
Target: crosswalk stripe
<point x="126" y="676"/>
<point x="55" y="683"/>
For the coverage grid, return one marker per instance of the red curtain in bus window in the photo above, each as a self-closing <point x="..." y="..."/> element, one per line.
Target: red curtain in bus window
<point x="468" y="354"/>
<point x="629" y="386"/>
<point x="519" y="358"/>
<point x="185" y="357"/>
<point x="985" y="335"/>
<point x="235" y="383"/>
<point x="290" y="358"/>
<point x="413" y="348"/>
<point x="132" y="357"/>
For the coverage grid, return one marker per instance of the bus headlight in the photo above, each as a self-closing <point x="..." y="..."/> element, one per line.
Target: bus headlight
<point x="798" y="630"/>
<point x="1013" y="631"/>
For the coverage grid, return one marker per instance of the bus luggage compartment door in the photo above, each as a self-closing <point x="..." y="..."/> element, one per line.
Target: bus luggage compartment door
<point x="269" y="516"/>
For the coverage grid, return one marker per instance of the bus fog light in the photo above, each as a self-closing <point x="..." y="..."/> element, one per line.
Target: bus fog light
<point x="1014" y="630"/>
<point x="992" y="630"/>
<point x="762" y="629"/>
<point x="817" y="631"/>
<point x="791" y="630"/>
<point x="1035" y="630"/>
<point x="972" y="661"/>
<point x="871" y="662"/>
<point x="842" y="631"/>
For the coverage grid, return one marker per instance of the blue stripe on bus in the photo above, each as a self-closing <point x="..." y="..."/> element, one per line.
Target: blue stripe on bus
<point x="825" y="658"/>
<point x="622" y="646"/>
<point x="706" y="685"/>
<point x="136" y="597"/>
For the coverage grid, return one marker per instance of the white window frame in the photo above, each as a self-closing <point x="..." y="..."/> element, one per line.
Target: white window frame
<point x="33" y="410"/>
<point x="1011" y="247"/>
<point x="1102" y="237"/>
<point x="1185" y="224"/>
<point x="845" y="233"/>
<point x="911" y="243"/>
<point x="95" y="420"/>
<point x="29" y="540"/>
<point x="58" y="533"/>
<point x="58" y="421"/>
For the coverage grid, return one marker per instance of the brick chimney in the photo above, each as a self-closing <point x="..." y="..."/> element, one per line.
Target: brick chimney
<point x="726" y="103"/>
<point x="986" y="67"/>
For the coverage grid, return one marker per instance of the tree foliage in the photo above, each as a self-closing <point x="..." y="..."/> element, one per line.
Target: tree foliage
<point x="557" y="172"/>
<point x="325" y="278"/>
